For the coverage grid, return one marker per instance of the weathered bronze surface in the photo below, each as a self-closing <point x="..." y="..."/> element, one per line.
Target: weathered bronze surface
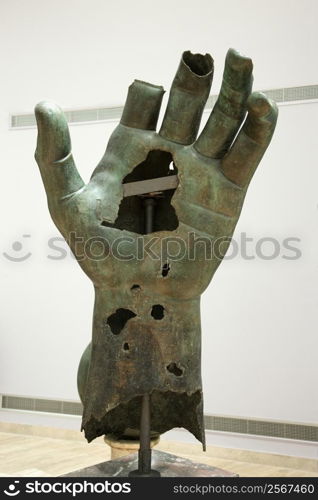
<point x="146" y="329"/>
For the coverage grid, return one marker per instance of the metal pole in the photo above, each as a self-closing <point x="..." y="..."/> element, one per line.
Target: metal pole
<point x="149" y="204"/>
<point x="144" y="453"/>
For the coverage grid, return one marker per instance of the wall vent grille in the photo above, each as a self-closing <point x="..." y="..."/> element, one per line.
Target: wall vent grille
<point x="286" y="430"/>
<point x="73" y="116"/>
<point x="93" y="115"/>
<point x="42" y="405"/>
<point x="254" y="427"/>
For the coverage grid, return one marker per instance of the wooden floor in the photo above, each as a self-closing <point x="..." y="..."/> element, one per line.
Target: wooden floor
<point x="33" y="455"/>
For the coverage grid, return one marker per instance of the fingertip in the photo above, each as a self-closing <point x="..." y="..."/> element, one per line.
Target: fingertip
<point x="50" y="117"/>
<point x="142" y="105"/>
<point x="53" y="142"/>
<point x="262" y="106"/>
<point x="149" y="87"/>
<point x="239" y="61"/>
<point x="261" y="118"/>
<point x="47" y="109"/>
<point x="198" y="64"/>
<point x="238" y="70"/>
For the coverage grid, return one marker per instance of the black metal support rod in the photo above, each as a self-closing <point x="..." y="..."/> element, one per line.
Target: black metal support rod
<point x="149" y="204"/>
<point x="144" y="453"/>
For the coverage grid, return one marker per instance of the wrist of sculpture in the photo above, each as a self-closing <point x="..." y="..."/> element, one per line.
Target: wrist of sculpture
<point x="149" y="338"/>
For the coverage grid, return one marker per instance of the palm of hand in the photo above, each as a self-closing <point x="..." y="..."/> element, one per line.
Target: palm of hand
<point x="105" y="231"/>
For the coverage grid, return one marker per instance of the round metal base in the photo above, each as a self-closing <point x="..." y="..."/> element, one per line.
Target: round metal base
<point x="138" y="473"/>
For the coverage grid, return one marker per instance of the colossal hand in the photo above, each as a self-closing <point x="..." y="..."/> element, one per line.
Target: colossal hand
<point x="146" y="331"/>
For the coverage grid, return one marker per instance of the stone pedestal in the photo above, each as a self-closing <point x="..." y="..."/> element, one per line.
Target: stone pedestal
<point x="126" y="446"/>
<point x="167" y="464"/>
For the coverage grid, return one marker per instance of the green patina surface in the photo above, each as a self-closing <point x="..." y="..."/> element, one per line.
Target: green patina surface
<point x="146" y="329"/>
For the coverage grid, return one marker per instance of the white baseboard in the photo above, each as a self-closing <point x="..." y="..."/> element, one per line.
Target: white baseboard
<point x="60" y="421"/>
<point x="288" y="447"/>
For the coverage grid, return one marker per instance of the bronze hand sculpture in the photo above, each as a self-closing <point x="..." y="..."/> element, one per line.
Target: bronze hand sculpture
<point x="146" y="331"/>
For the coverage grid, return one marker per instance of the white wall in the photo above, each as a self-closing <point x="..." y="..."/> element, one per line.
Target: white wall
<point x="259" y="317"/>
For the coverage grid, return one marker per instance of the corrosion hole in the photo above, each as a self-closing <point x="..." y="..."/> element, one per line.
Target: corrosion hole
<point x="173" y="368"/>
<point x="157" y="311"/>
<point x="118" y="320"/>
<point x="131" y="212"/>
<point x="135" y="287"/>
<point x="165" y="269"/>
<point x="126" y="346"/>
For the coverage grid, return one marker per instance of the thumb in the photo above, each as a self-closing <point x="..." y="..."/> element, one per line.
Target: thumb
<point x="53" y="152"/>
